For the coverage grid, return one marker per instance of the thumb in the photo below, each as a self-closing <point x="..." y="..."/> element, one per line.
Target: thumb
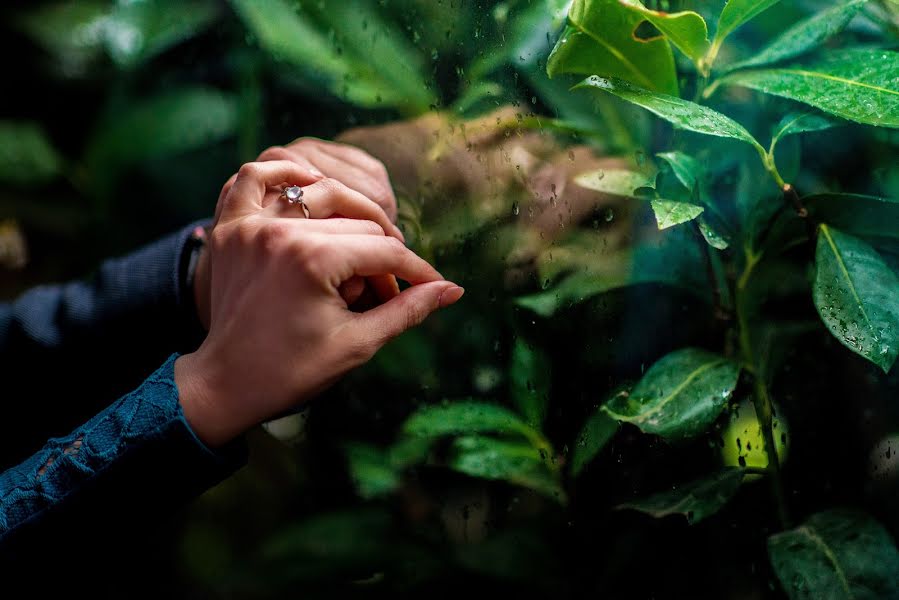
<point x="383" y="323"/>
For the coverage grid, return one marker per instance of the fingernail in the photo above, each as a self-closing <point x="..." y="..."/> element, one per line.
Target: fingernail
<point x="400" y="232"/>
<point x="450" y="296"/>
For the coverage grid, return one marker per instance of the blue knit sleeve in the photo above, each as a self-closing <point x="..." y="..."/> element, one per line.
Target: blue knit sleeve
<point x="138" y="453"/>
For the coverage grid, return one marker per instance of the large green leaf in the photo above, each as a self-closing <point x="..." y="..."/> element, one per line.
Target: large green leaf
<point x="838" y="555"/>
<point x="682" y="114"/>
<point x="365" y="61"/>
<point x="178" y="121"/>
<point x="517" y="463"/>
<point x="599" y="40"/>
<point x="695" y="500"/>
<point x="597" y="432"/>
<point x="671" y="212"/>
<point x="858" y="84"/>
<point x="529" y="381"/>
<point x="737" y="12"/>
<point x="805" y="35"/>
<point x="686" y="30"/>
<point x="467" y="417"/>
<point x="680" y="396"/>
<point x="857" y="296"/>
<point x="136" y="31"/>
<point x="26" y="155"/>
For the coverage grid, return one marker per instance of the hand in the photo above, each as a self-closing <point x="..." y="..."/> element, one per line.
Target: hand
<point x="280" y="332"/>
<point x="356" y="170"/>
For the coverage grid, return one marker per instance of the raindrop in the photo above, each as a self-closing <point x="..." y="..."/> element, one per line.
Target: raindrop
<point x="608" y="214"/>
<point x="515" y="209"/>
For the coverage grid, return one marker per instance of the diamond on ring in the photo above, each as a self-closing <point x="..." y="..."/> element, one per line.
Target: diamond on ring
<point x="294" y="195"/>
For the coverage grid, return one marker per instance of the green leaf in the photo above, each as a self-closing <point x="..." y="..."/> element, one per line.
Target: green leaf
<point x="686" y="30"/>
<point x="167" y="125"/>
<point x="598" y="431"/>
<point x="371" y="471"/>
<point x="857" y="296"/>
<point x="870" y="217"/>
<point x="26" y="155"/>
<point x="711" y="234"/>
<point x="60" y="29"/>
<point x="670" y="212"/>
<point x="836" y="554"/>
<point x="367" y="61"/>
<point x="805" y="35"/>
<point x="530" y="379"/>
<point x="467" y="417"/>
<point x="803" y="123"/>
<point x="618" y="182"/>
<point x="517" y="463"/>
<point x="737" y="12"/>
<point x="682" y="114"/>
<point x="685" y="168"/>
<point x="680" y="396"/>
<point x="136" y="31"/>
<point x="599" y="40"/>
<point x="856" y="84"/>
<point x="695" y="500"/>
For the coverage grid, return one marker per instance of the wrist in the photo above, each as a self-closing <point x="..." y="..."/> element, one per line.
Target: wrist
<point x="202" y="402"/>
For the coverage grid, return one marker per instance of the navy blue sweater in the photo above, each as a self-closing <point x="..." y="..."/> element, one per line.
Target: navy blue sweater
<point x="78" y="461"/>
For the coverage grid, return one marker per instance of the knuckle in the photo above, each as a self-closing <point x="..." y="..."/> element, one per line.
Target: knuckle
<point x="271" y="236"/>
<point x="374" y="228"/>
<point x="249" y="170"/>
<point x="275" y="153"/>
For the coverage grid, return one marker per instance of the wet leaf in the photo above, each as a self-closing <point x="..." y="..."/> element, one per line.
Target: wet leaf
<point x="712" y="235"/>
<point x="803" y="123"/>
<point x="695" y="500"/>
<point x="26" y="155"/>
<point x="855" y="84"/>
<point x="467" y="417"/>
<point x="670" y="212"/>
<point x="517" y="463"/>
<point x="530" y="379"/>
<point x="619" y="182"/>
<point x="365" y="62"/>
<point x="857" y="296"/>
<point x="599" y="41"/>
<point x="684" y="167"/>
<point x="836" y="554"/>
<point x="680" y="396"/>
<point x="805" y="35"/>
<point x="597" y="432"/>
<point x="737" y="12"/>
<point x="371" y="471"/>
<point x="683" y="114"/>
<point x="686" y="30"/>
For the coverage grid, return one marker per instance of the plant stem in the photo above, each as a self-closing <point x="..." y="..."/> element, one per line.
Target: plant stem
<point x="764" y="409"/>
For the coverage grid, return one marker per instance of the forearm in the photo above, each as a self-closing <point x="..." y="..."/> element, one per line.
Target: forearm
<point x="139" y="456"/>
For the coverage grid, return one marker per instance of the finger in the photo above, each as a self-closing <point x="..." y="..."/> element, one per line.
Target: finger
<point x="332" y="226"/>
<point x="329" y="197"/>
<point x="286" y="153"/>
<point x="385" y="287"/>
<point x="369" y="255"/>
<point x="383" y="323"/>
<point x="351" y="289"/>
<point x="375" y="187"/>
<point x="360" y="171"/>
<point x="252" y="181"/>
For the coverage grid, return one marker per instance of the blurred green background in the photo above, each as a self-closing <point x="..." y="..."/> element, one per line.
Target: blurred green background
<point x="119" y="122"/>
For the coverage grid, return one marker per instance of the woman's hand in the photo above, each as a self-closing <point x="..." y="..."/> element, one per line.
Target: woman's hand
<point x="280" y="330"/>
<point x="365" y="191"/>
